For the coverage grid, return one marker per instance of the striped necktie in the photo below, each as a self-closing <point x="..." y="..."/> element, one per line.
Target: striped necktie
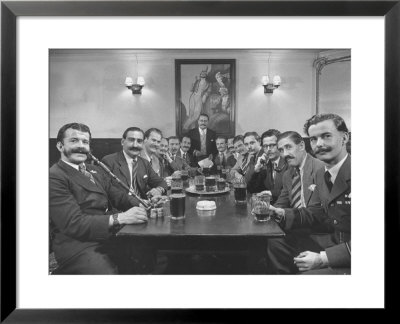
<point x="134" y="175"/>
<point x="296" y="190"/>
<point x="245" y="163"/>
<point x="82" y="169"/>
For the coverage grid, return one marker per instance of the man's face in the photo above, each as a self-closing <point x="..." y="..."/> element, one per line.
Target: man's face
<point x="133" y="143"/>
<point x="75" y="146"/>
<point x="240" y="148"/>
<point x="163" y="148"/>
<point x="221" y="145"/>
<point x="270" y="147"/>
<point x="185" y="144"/>
<point x="328" y="144"/>
<point x="174" y="145"/>
<point x="231" y="148"/>
<point x="153" y="142"/>
<point x="293" y="153"/>
<point x="252" y="145"/>
<point x="203" y="122"/>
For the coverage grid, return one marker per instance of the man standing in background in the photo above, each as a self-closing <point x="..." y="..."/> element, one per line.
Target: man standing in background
<point x="202" y="139"/>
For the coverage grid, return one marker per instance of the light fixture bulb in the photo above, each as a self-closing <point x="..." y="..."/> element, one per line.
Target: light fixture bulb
<point x="276" y="80"/>
<point x="265" y="80"/>
<point x="128" y="81"/>
<point x="140" y="81"/>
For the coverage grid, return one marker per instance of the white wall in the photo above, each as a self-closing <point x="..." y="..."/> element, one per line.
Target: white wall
<point x="88" y="86"/>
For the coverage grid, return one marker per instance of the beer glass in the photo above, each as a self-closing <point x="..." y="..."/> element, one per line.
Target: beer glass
<point x="199" y="183"/>
<point x="211" y="184"/>
<point x="177" y="206"/>
<point x="240" y="188"/>
<point x="176" y="184"/>
<point x="185" y="178"/>
<point x="260" y="203"/>
<point x="221" y="184"/>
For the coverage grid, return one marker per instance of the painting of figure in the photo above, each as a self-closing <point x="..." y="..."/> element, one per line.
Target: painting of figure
<point x="205" y="87"/>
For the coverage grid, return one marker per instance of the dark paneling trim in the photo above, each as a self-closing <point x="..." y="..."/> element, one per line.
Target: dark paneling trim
<point x="8" y="161"/>
<point x="202" y="8"/>
<point x="392" y="151"/>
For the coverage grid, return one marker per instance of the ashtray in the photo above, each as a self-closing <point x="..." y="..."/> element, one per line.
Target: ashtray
<point x="206" y="205"/>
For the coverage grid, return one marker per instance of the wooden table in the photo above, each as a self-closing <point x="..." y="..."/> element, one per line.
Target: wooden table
<point x="232" y="228"/>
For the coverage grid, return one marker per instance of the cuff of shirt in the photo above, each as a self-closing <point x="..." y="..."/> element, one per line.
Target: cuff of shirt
<point x="324" y="258"/>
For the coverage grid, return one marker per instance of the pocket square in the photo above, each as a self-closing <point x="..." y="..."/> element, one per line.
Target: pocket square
<point x="145" y="176"/>
<point x="92" y="171"/>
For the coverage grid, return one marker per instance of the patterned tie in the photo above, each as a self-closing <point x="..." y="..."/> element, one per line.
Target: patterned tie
<point x="134" y="173"/>
<point x="82" y="169"/>
<point x="328" y="181"/>
<point x="184" y="156"/>
<point x="245" y="164"/>
<point x="296" y="190"/>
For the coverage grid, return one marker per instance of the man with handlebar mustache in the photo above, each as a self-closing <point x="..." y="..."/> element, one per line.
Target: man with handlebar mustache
<point x="84" y="208"/>
<point x="130" y="166"/>
<point x="328" y="211"/>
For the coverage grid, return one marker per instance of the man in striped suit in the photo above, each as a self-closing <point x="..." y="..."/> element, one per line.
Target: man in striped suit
<point x="328" y="211"/>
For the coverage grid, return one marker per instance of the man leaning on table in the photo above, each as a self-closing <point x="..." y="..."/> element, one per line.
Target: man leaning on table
<point x="84" y="208"/>
<point x="329" y="209"/>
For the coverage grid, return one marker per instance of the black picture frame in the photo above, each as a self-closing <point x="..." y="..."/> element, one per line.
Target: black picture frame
<point x="207" y="100"/>
<point x="10" y="11"/>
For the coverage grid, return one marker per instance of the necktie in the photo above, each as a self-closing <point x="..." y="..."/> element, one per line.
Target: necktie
<point x="328" y="181"/>
<point x="245" y="164"/>
<point x="134" y="173"/>
<point x="184" y="156"/>
<point x="296" y="190"/>
<point x="270" y="171"/>
<point x="82" y="169"/>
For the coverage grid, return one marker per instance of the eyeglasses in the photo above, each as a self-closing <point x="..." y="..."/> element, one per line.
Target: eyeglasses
<point x="269" y="146"/>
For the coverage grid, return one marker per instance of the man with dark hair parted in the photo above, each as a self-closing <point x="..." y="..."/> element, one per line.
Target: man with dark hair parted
<point x="329" y="209"/>
<point x="85" y="207"/>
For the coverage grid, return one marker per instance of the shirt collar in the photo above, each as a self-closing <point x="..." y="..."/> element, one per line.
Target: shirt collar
<point x="276" y="162"/>
<point x="182" y="153"/>
<point x="303" y="163"/>
<point x="144" y="155"/>
<point x="128" y="158"/>
<point x="335" y="169"/>
<point x="203" y="131"/>
<point x="75" y="166"/>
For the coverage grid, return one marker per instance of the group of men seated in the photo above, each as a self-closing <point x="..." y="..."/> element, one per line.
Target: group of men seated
<point x="311" y="193"/>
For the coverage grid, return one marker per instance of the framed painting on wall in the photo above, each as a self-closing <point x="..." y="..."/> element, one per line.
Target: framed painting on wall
<point x="205" y="86"/>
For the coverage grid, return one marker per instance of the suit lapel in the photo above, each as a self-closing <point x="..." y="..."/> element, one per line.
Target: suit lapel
<point x="80" y="179"/>
<point x="342" y="180"/>
<point x="308" y="173"/>
<point x="123" y="168"/>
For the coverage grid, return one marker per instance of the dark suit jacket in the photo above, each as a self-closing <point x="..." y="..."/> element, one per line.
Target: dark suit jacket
<point x="194" y="135"/>
<point x="189" y="159"/>
<point x="230" y="160"/>
<point x="146" y="177"/>
<point x="176" y="165"/>
<point x="311" y="166"/>
<point x="260" y="181"/>
<point x="80" y="210"/>
<point x="332" y="211"/>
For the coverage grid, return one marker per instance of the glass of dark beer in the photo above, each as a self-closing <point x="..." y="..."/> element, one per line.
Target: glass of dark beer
<point x="221" y="184"/>
<point x="240" y="188"/>
<point x="260" y="207"/>
<point x="177" y="206"/>
<point x="176" y="184"/>
<point x="224" y="173"/>
<point x="199" y="183"/>
<point x="211" y="184"/>
<point x="206" y="172"/>
<point x="185" y="178"/>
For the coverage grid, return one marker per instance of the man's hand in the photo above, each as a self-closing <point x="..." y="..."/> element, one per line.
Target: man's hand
<point x="168" y="157"/>
<point x="277" y="214"/>
<point x="308" y="261"/>
<point x="197" y="153"/>
<point x="154" y="192"/>
<point x="135" y="215"/>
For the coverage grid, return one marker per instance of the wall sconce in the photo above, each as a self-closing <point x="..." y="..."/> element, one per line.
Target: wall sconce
<point x="276" y="81"/>
<point x="135" y="87"/>
<point x="270" y="87"/>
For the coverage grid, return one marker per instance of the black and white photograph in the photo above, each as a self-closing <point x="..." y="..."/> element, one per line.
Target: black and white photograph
<point x="200" y="161"/>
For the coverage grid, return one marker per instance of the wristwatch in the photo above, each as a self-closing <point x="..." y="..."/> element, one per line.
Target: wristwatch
<point x="116" y="222"/>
